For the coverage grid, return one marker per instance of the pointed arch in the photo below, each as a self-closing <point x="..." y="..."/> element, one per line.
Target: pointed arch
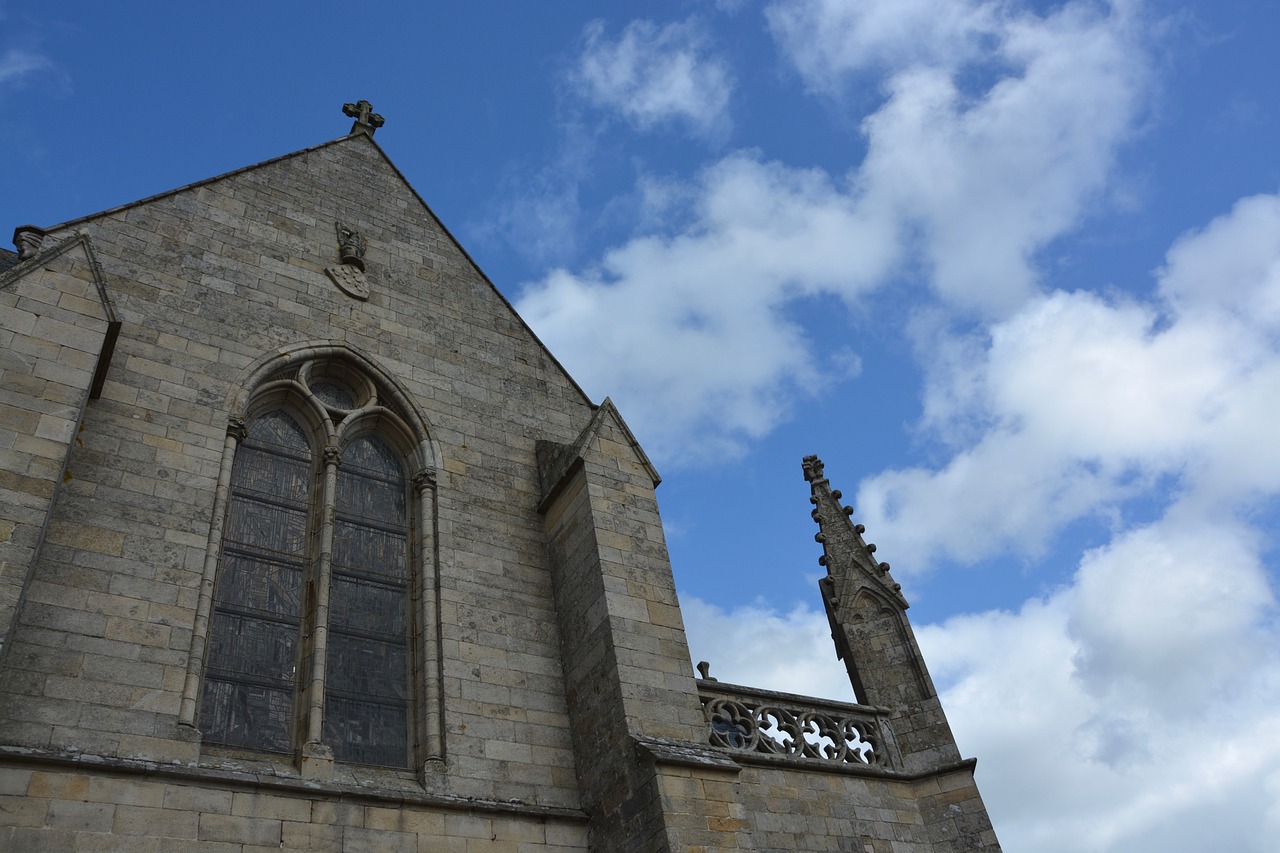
<point x="365" y="683"/>
<point x="287" y="361"/>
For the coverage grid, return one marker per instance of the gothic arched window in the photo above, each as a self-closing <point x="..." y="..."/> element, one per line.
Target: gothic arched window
<point x="311" y="629"/>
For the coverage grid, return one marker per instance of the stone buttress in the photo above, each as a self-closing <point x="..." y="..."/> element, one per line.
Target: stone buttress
<point x="649" y="779"/>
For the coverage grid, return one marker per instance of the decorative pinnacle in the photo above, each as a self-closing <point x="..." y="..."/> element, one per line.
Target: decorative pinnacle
<point x="847" y="556"/>
<point x="367" y="121"/>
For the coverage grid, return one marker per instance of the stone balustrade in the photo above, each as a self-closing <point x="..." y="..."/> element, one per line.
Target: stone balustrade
<point x="755" y="721"/>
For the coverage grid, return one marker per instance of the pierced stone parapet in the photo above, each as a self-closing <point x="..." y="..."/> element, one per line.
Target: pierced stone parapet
<point x="749" y="720"/>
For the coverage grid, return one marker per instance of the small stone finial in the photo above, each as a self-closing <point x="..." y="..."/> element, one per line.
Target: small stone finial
<point x="812" y="468"/>
<point x="28" y="239"/>
<point x="351" y="245"/>
<point x="704" y="671"/>
<point x="367" y="121"/>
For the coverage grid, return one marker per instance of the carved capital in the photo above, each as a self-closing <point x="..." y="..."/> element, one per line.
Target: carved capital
<point x="237" y="428"/>
<point x="423" y="480"/>
<point x="332" y="456"/>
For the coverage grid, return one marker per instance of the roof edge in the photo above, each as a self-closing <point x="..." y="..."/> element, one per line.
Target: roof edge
<point x="71" y="223"/>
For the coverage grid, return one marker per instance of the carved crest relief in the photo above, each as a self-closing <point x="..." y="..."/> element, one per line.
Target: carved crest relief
<point x="349" y="275"/>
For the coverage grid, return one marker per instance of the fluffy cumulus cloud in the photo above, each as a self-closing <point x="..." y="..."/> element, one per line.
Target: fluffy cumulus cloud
<point x="988" y="145"/>
<point x="1090" y="402"/>
<point x="656" y="75"/>
<point x="760" y="646"/>
<point x="707" y="349"/>
<point x="1135" y="709"/>
<point x="827" y="40"/>
<point x="998" y="126"/>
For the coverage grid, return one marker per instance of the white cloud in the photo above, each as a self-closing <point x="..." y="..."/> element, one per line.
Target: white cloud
<point x="973" y="183"/>
<point x="17" y="64"/>
<point x="827" y="40"/>
<point x="1134" y="709"/>
<point x="704" y="347"/>
<point x="655" y="75"/>
<point x="1088" y="402"/>
<point x="991" y="177"/>
<point x="760" y="647"/>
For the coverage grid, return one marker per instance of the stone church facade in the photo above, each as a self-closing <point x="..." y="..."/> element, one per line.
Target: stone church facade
<point x="308" y="543"/>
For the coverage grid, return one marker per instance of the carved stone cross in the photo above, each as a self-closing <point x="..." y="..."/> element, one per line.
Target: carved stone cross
<point x="367" y="121"/>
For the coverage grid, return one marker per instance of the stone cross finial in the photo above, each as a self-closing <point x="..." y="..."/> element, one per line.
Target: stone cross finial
<point x="812" y="468"/>
<point x="367" y="121"/>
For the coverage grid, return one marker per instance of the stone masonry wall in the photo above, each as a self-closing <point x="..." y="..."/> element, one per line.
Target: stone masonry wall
<point x="54" y="326"/>
<point x="810" y="811"/>
<point x="64" y="811"/>
<point x="207" y="281"/>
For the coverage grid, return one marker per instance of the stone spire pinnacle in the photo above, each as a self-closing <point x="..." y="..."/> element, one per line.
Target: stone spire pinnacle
<point x="847" y="556"/>
<point x="367" y="121"/>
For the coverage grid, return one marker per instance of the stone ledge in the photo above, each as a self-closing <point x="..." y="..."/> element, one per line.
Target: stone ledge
<point x="269" y="784"/>
<point x="700" y="756"/>
<point x="808" y="765"/>
<point x="728" y="690"/>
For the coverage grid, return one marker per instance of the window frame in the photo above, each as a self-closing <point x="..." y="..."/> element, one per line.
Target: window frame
<point x="382" y="411"/>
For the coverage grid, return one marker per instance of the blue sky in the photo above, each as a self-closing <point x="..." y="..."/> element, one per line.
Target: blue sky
<point x="1011" y="268"/>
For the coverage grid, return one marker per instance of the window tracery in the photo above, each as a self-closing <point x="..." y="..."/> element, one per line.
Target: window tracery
<point x="312" y="629"/>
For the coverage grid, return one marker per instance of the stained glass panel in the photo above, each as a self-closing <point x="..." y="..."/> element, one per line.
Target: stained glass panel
<point x="265" y="473"/>
<point x="370" y="608"/>
<point x="253" y="647"/>
<point x="362" y="496"/>
<point x="332" y="394"/>
<point x="259" y="648"/>
<point x="266" y="526"/>
<point x="248" y="715"/>
<point x="368" y="667"/>
<point x="368" y="550"/>
<point x="367" y="682"/>
<point x="248" y="582"/>
<point x="366" y="732"/>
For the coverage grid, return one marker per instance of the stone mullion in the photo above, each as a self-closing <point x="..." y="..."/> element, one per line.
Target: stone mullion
<point x="317" y="758"/>
<point x="428" y="670"/>
<point x="236" y="433"/>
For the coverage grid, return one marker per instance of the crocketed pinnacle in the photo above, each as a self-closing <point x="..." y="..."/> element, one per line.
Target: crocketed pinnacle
<point x="848" y="557"/>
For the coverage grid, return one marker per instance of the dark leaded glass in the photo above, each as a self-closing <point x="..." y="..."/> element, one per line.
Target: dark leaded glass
<point x="365" y="732"/>
<point x="250" y="676"/>
<point x="332" y="394"/>
<point x="369" y="550"/>
<point x="366" y="687"/>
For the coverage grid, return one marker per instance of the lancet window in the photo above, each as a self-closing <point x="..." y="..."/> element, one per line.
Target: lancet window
<point x="316" y="614"/>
